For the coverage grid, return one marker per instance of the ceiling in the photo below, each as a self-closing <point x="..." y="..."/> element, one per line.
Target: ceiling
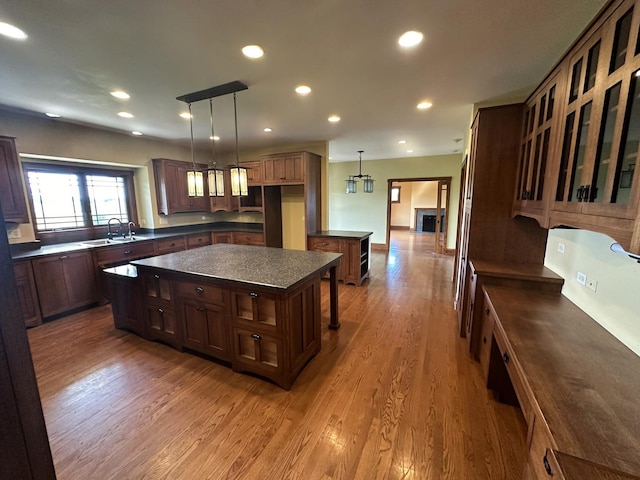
<point x="346" y="51"/>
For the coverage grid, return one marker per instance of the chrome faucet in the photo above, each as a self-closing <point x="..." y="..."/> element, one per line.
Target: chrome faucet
<point x="131" y="226"/>
<point x="110" y="234"/>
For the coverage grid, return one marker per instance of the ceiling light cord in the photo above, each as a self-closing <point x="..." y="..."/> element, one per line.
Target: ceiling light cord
<point x="193" y="156"/>
<point x="235" y="117"/>
<point x="214" y="154"/>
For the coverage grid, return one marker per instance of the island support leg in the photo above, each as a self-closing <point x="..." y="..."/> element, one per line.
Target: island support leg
<point x="334" y="324"/>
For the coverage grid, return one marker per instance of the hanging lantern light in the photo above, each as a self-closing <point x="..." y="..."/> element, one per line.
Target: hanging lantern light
<point x="352" y="183"/>
<point x="215" y="176"/>
<point x="239" y="182"/>
<point x="195" y="179"/>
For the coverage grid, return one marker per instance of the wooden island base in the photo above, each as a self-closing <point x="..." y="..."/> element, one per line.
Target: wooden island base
<point x="257" y="308"/>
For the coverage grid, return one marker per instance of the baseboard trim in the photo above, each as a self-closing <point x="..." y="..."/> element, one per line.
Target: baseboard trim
<point x="379" y="247"/>
<point x="399" y="227"/>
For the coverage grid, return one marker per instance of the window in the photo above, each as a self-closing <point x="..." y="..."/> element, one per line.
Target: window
<point x="78" y="198"/>
<point x="395" y="194"/>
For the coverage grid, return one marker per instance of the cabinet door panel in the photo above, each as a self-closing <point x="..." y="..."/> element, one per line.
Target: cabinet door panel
<point x="27" y="295"/>
<point x="14" y="205"/>
<point x="49" y="275"/>
<point x="79" y="279"/>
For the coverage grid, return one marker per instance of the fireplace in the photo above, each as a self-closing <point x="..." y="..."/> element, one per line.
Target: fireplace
<point x="426" y="220"/>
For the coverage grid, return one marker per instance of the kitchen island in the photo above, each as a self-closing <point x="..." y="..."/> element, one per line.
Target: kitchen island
<point x="256" y="308"/>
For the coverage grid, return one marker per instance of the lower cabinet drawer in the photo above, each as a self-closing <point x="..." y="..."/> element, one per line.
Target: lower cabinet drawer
<point x="525" y="397"/>
<point x="108" y="256"/>
<point x="257" y="353"/>
<point x="486" y="336"/>
<point x="541" y="461"/>
<point x="200" y="291"/>
<point x="324" y="244"/>
<point x="243" y="238"/>
<point x="198" y="240"/>
<point x="170" y="245"/>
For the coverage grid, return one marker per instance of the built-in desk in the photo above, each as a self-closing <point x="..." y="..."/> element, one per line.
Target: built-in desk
<point x="577" y="385"/>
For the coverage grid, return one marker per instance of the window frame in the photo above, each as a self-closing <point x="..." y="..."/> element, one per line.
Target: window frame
<point x="82" y="233"/>
<point x="391" y="194"/>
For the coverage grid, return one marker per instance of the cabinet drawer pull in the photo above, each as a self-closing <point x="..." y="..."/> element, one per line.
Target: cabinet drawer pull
<point x="199" y="289"/>
<point x="506" y="357"/>
<point x="254" y="294"/>
<point x="160" y="311"/>
<point x="324" y="244"/>
<point x="63" y="257"/>
<point x="547" y="466"/>
<point x="156" y="276"/>
<point x="255" y="336"/>
<point x="200" y="309"/>
<point x="127" y="252"/>
<point x="487" y="312"/>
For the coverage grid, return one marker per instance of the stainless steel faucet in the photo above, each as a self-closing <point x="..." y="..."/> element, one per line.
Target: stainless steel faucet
<point x="110" y="234"/>
<point x="131" y="226"/>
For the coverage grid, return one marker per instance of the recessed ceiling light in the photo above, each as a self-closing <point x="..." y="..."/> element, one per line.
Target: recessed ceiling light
<point x="268" y="130"/>
<point x="303" y="90"/>
<point x="334" y="118"/>
<point x="125" y="115"/>
<point x="120" y="94"/>
<point x="11" y="31"/>
<point x="424" y="105"/>
<point x="402" y="142"/>
<point x="409" y="151"/>
<point x="215" y="138"/>
<point x="186" y="115"/>
<point x="410" y="38"/>
<point x="136" y="133"/>
<point x="52" y="115"/>
<point x="252" y="51"/>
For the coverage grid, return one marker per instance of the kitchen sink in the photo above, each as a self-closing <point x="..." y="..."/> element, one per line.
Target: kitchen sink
<point x="106" y="241"/>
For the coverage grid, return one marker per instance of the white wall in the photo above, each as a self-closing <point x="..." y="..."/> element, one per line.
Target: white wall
<point x="616" y="302"/>
<point x="424" y="195"/>
<point x="368" y="211"/>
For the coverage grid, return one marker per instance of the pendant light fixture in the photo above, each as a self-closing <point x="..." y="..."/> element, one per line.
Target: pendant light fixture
<point x="239" y="183"/>
<point x="215" y="176"/>
<point x="367" y="182"/>
<point x="195" y="180"/>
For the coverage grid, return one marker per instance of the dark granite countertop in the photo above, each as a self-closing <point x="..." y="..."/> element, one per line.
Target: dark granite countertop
<point x="248" y="265"/>
<point x="340" y="234"/>
<point x="32" y="250"/>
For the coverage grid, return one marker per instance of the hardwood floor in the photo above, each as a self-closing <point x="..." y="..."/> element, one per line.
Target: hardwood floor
<point x="392" y="395"/>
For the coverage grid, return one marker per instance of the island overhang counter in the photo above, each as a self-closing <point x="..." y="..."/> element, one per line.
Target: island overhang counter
<point x="257" y="308"/>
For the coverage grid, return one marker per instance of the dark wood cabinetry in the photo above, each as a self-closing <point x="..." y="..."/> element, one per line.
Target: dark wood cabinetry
<point x="247" y="238"/>
<point x="64" y="282"/>
<point x="170" y="245"/>
<point x="172" y="192"/>
<point x="126" y="299"/>
<point x="354" y="246"/>
<point x="14" y="205"/>
<point x="196" y="240"/>
<point x="284" y="168"/>
<point x="489" y="231"/>
<point x="593" y="135"/>
<point x="160" y="314"/>
<point x="27" y="294"/>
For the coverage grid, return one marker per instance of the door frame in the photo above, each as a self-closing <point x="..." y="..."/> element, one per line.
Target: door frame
<point x="440" y="181"/>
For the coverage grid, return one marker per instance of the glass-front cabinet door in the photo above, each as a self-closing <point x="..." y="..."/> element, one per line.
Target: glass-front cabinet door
<point x="541" y="124"/>
<point x="602" y="122"/>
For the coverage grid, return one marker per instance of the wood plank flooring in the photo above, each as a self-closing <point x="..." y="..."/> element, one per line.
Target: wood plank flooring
<point x="392" y="395"/>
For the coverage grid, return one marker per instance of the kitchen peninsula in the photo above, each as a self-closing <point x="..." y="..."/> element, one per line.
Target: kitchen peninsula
<point x="257" y="308"/>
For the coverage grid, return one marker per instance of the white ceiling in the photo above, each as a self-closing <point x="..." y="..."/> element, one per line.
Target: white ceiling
<point x="345" y="50"/>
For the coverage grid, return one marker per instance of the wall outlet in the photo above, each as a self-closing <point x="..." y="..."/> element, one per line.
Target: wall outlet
<point x="581" y="278"/>
<point x="561" y="247"/>
<point x="592" y="283"/>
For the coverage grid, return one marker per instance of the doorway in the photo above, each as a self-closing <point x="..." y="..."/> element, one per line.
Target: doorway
<point x="421" y="206"/>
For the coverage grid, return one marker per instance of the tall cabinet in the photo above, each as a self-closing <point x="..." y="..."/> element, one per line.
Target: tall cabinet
<point x="489" y="231"/>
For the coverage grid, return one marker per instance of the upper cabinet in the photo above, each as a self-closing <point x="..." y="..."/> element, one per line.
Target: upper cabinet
<point x="14" y="205"/>
<point x="284" y="168"/>
<point x="589" y="145"/>
<point x="539" y="141"/>
<point x="172" y="192"/>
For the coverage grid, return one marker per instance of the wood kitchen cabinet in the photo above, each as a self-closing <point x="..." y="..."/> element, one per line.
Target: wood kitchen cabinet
<point x="126" y="299"/>
<point x="540" y="129"/>
<point x="491" y="233"/>
<point x="170" y="245"/>
<point x="14" y="205"/>
<point x="64" y="282"/>
<point x="161" y="322"/>
<point x="589" y="146"/>
<point x="354" y="266"/>
<point x="285" y="168"/>
<point x="27" y="294"/>
<point x="195" y="240"/>
<point x="204" y="318"/>
<point x="172" y="193"/>
<point x="221" y="237"/>
<point x="247" y="238"/>
<point x="226" y="202"/>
